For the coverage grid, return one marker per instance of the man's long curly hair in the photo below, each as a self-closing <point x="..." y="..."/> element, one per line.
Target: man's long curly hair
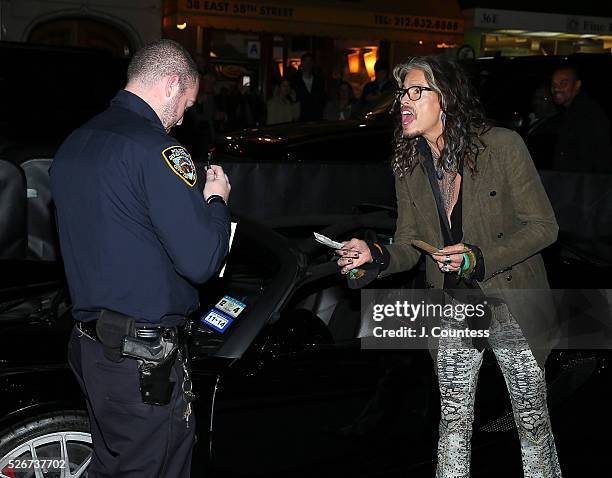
<point x="464" y="122"/>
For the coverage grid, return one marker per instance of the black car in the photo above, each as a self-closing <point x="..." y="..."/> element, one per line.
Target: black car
<point x="304" y="169"/>
<point x="505" y="86"/>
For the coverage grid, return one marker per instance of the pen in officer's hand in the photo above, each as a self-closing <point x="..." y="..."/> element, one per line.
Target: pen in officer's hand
<point x="210" y="158"/>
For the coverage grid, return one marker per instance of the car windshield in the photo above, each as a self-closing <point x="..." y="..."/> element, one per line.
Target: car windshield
<point x="247" y="274"/>
<point x="379" y="108"/>
<point x="233" y="307"/>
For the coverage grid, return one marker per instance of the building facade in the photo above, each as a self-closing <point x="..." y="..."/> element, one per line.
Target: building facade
<point x="264" y="39"/>
<point x="118" y="26"/>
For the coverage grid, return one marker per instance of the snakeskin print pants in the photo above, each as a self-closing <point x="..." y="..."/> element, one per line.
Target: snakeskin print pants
<point x="458" y="365"/>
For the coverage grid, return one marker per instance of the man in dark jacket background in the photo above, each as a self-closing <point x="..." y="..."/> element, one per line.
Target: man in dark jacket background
<point x="382" y="83"/>
<point x="583" y="129"/>
<point x="310" y="90"/>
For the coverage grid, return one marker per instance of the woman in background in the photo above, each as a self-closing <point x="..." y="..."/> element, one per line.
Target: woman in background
<point x="282" y="107"/>
<point x="343" y="106"/>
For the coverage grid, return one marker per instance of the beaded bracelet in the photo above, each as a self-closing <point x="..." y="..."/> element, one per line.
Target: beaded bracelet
<point x="468" y="264"/>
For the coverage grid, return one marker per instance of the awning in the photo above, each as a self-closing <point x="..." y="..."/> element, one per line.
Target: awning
<point x="294" y="17"/>
<point x="518" y="21"/>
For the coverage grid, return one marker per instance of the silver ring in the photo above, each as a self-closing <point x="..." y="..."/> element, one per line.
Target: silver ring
<point x="447" y="260"/>
<point x="445" y="268"/>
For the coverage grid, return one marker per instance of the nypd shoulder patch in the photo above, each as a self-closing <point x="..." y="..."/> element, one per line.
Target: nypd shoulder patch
<point x="181" y="164"/>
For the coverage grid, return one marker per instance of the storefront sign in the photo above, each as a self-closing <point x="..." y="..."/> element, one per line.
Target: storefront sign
<point x="418" y="23"/>
<point x="330" y="16"/>
<point x="546" y="22"/>
<point x="240" y="9"/>
<point x="587" y="25"/>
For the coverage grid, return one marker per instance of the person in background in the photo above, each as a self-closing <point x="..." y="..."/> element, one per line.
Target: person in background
<point x="542" y="107"/>
<point x="382" y="83"/>
<point x="342" y="107"/>
<point x="583" y="133"/>
<point x="222" y="103"/>
<point x="282" y="107"/>
<point x="247" y="109"/>
<point x="309" y="89"/>
<point x="539" y="133"/>
<point x="203" y="118"/>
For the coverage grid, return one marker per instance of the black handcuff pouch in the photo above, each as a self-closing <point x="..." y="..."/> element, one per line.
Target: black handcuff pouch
<point x="112" y="328"/>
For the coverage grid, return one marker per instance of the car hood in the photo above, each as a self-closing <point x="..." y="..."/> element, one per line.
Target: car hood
<point x="275" y="142"/>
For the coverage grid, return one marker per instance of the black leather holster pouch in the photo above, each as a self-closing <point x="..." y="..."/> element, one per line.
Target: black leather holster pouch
<point x="156" y="357"/>
<point x="155" y="384"/>
<point x="112" y="327"/>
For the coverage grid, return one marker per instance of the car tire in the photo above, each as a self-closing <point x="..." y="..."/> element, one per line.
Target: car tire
<point x="54" y="437"/>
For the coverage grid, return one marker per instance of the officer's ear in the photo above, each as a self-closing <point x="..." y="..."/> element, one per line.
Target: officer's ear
<point x="171" y="86"/>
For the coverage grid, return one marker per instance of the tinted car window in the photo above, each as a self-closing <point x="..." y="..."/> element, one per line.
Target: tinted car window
<point x="249" y="272"/>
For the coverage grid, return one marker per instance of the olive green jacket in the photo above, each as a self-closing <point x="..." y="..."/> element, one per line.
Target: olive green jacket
<point x="506" y="213"/>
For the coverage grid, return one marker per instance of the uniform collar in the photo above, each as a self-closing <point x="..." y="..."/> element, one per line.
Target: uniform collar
<point x="136" y="104"/>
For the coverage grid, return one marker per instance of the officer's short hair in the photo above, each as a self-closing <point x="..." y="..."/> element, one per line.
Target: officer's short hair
<point x="160" y="59"/>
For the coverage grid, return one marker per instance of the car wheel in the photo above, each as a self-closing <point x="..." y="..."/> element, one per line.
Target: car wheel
<point x="57" y="444"/>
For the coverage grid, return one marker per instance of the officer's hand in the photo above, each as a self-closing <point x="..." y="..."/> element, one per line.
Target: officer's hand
<point x="217" y="182"/>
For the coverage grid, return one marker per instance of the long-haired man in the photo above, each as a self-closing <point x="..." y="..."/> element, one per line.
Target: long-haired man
<point x="473" y="191"/>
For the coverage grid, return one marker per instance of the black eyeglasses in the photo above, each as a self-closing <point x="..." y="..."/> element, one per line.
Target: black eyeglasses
<point x="414" y="92"/>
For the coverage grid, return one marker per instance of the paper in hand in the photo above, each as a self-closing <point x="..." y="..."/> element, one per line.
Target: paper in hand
<point x="326" y="241"/>
<point x="231" y="240"/>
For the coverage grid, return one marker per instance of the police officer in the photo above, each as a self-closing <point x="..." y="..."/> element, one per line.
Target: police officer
<point x="136" y="234"/>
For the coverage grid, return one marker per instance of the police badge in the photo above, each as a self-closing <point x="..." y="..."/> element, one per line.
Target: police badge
<point x="181" y="164"/>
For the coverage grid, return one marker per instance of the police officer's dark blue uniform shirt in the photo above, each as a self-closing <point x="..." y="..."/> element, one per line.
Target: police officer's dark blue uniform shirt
<point x="135" y="230"/>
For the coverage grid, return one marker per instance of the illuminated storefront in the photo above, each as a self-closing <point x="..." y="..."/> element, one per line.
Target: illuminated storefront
<point x="517" y="33"/>
<point x="264" y="38"/>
